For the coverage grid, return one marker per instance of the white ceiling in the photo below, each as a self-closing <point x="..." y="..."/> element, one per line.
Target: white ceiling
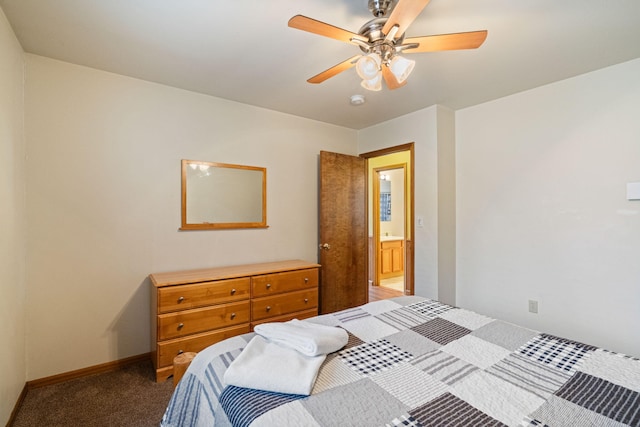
<point x="242" y="50"/>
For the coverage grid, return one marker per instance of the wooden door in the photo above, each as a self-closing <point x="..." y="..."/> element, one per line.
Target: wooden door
<point x="343" y="232"/>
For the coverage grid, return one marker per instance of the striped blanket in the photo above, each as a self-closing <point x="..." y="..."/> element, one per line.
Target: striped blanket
<point x="412" y="361"/>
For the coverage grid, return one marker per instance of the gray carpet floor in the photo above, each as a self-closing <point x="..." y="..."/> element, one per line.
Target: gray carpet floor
<point x="127" y="397"/>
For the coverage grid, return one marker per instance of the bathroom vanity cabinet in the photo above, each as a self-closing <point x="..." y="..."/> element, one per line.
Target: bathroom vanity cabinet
<point x="391" y="258"/>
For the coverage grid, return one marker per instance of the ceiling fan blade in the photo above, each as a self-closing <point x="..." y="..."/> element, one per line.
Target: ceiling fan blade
<point x="403" y="14"/>
<point x="470" y="40"/>
<point x="390" y="79"/>
<point x="336" y="69"/>
<point x="311" y="25"/>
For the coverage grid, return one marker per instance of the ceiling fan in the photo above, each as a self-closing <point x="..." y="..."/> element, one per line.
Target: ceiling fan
<point x="382" y="39"/>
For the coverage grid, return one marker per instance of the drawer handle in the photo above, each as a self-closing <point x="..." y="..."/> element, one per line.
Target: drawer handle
<point x="268" y="308"/>
<point x="180" y="326"/>
<point x="180" y="351"/>
<point x="306" y="280"/>
<point x="268" y="285"/>
<point x="180" y="300"/>
<point x="233" y="315"/>
<point x="233" y="291"/>
<point x="306" y="300"/>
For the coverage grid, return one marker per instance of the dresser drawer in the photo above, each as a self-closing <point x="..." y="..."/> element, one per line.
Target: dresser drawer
<point x="184" y="297"/>
<point x="262" y="308"/>
<point x="167" y="350"/>
<point x="270" y="284"/>
<point x="186" y="322"/>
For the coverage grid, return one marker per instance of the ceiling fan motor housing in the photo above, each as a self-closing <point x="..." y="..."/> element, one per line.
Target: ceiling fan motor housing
<point x="380" y="8"/>
<point x="377" y="39"/>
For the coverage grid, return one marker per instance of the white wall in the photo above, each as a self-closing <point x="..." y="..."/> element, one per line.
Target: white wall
<point x="446" y="205"/>
<point x="542" y="211"/>
<point x="421" y="127"/>
<point x="12" y="224"/>
<point x="103" y="201"/>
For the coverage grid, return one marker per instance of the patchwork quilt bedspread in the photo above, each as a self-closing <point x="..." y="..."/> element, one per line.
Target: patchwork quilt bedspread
<point x="412" y="361"/>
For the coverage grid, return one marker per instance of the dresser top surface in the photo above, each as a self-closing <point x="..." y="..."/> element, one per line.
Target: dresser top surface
<point x="229" y="272"/>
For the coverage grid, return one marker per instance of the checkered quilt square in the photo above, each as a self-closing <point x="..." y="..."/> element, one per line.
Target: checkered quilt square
<point x="243" y="405"/>
<point x="441" y="331"/>
<point x="430" y="308"/>
<point x="615" y="367"/>
<point x="476" y="351"/>
<point x="403" y="318"/>
<point x="351" y="314"/>
<point x="537" y="378"/>
<point x="504" y="401"/>
<point x="559" y="352"/>
<point x="450" y="411"/>
<point x="373" y="308"/>
<point x="559" y="412"/>
<point x="334" y="373"/>
<point x="443" y="366"/>
<point x="412" y="342"/>
<point x="466" y="318"/>
<point x="369" y="328"/>
<point x="374" y="356"/>
<point x="505" y="334"/>
<point x="603" y="397"/>
<point x="424" y="389"/>
<point x="360" y="403"/>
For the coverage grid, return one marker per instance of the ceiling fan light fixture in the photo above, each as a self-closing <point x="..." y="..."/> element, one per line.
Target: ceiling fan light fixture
<point x="374" y="84"/>
<point x="401" y="67"/>
<point x="368" y="66"/>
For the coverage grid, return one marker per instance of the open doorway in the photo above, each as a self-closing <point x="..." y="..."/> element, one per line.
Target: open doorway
<point x="389" y="223"/>
<point x="390" y="218"/>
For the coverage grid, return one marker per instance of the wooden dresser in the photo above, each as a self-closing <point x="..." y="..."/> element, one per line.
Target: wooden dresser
<point x="192" y="309"/>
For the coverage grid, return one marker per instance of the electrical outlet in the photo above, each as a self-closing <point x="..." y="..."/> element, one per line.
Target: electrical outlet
<point x="533" y="306"/>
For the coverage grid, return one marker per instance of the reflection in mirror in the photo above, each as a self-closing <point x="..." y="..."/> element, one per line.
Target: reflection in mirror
<point x="385" y="197"/>
<point x="219" y="195"/>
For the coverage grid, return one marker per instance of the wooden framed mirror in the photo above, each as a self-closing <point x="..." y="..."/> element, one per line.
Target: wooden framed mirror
<point x="223" y="196"/>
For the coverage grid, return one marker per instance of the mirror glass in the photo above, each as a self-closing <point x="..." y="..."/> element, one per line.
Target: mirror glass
<point x="385" y="197"/>
<point x="219" y="195"/>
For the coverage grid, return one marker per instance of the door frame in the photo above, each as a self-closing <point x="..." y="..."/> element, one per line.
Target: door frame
<point x="376" y="216"/>
<point x="409" y="287"/>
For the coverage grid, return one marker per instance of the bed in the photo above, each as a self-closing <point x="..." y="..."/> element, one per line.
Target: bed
<point x="411" y="361"/>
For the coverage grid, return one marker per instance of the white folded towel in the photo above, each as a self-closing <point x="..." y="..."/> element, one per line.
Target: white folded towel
<point x="264" y="365"/>
<point x="308" y="338"/>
